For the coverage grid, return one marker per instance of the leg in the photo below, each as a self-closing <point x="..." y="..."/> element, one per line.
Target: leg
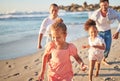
<point x="107" y="38"/>
<point x="91" y="65"/>
<point x="97" y="69"/>
<point x="104" y="61"/>
<point x="108" y="41"/>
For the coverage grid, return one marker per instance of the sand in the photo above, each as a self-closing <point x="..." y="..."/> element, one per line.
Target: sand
<point x="28" y="67"/>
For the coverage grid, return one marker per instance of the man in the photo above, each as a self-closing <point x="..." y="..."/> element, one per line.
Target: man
<point x="53" y="10"/>
<point x="103" y="17"/>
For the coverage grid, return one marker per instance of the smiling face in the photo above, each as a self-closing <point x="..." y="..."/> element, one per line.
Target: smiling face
<point x="93" y="32"/>
<point x="58" y="33"/>
<point x="53" y="10"/>
<point x="58" y="37"/>
<point x="104" y="6"/>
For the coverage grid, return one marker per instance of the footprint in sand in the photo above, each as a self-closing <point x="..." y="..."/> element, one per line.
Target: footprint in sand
<point x="25" y="67"/>
<point x="36" y="73"/>
<point x="6" y="62"/>
<point x="36" y="60"/>
<point x="117" y="68"/>
<point x="30" y="79"/>
<point x="109" y="79"/>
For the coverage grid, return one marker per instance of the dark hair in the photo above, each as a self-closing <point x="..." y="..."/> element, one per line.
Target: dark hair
<point x="89" y="23"/>
<point x="53" y="4"/>
<point x="104" y="1"/>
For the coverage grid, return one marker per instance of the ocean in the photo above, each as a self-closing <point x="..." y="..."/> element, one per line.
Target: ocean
<point x="19" y="31"/>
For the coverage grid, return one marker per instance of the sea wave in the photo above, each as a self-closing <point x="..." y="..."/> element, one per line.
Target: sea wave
<point x="23" y="15"/>
<point x="39" y="15"/>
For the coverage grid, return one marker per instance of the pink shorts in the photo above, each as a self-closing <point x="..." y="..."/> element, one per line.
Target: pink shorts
<point x="51" y="78"/>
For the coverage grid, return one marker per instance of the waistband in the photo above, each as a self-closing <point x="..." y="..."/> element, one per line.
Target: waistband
<point x="104" y="31"/>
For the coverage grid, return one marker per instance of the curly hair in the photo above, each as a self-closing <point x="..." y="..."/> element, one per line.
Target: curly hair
<point x="89" y="23"/>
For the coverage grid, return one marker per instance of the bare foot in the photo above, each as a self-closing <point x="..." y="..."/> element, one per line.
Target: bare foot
<point x="105" y="63"/>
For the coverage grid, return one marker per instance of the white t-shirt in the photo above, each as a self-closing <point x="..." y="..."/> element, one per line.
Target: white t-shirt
<point x="98" y="41"/>
<point x="102" y="23"/>
<point x="46" y="23"/>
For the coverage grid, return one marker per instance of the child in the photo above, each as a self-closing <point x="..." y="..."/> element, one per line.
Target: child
<point x="96" y="47"/>
<point x="57" y="55"/>
<point x="58" y="19"/>
<point x="53" y="10"/>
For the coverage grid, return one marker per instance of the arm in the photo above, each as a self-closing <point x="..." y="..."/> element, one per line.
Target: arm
<point x="46" y="58"/>
<point x="102" y="47"/>
<point x="41" y="32"/>
<point x="73" y="52"/>
<point x="79" y="60"/>
<point x="39" y="41"/>
<point x="116" y="34"/>
<point x="85" y="46"/>
<point x="44" y="62"/>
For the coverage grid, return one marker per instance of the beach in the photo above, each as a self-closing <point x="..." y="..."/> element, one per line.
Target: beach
<point x="27" y="68"/>
<point x="19" y="32"/>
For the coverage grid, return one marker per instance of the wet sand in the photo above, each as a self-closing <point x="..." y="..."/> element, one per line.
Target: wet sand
<point x="27" y="68"/>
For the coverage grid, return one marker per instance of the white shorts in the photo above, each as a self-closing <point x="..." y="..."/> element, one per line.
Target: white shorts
<point x="96" y="55"/>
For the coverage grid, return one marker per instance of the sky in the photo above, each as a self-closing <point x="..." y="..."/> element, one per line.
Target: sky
<point x="7" y="6"/>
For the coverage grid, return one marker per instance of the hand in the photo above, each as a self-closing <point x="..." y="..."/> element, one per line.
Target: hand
<point x="39" y="46"/>
<point x="41" y="77"/>
<point x="83" y="67"/>
<point x="40" y="80"/>
<point x="83" y="47"/>
<point x="116" y="35"/>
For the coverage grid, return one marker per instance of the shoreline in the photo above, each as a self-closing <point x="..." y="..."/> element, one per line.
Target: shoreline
<point x="27" y="68"/>
<point x="28" y="45"/>
<point x="21" y="44"/>
<point x="18" y="48"/>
